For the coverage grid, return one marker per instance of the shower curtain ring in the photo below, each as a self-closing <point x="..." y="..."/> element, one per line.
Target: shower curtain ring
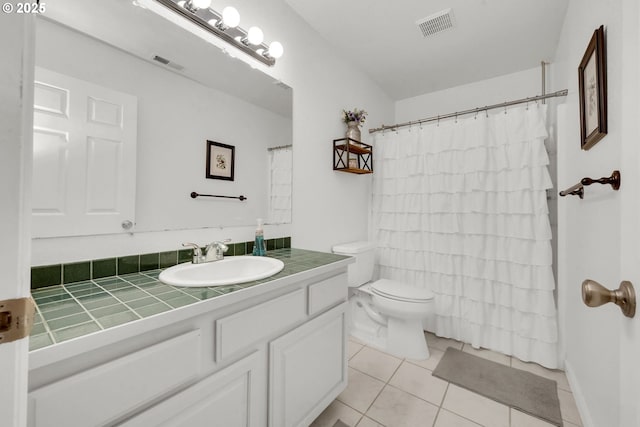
<point x="438" y="121"/>
<point x="476" y="116"/>
<point x="505" y="107"/>
<point x="456" y="117"/>
<point x="527" y="103"/>
<point x="410" y="124"/>
<point x="486" y="111"/>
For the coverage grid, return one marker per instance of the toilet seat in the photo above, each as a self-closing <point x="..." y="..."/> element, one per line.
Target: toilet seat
<point x="400" y="291"/>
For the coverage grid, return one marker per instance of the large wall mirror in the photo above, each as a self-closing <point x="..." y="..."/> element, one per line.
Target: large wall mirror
<point x="185" y="92"/>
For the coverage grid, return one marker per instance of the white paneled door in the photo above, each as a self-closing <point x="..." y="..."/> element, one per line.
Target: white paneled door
<point x="16" y="80"/>
<point x="84" y="157"/>
<point x="629" y="328"/>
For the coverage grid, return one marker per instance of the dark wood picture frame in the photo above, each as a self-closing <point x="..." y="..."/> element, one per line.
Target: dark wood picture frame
<point x="592" y="89"/>
<point x="220" y="160"/>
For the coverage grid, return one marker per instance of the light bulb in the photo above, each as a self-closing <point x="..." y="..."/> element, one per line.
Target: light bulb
<point x="255" y="36"/>
<point x="230" y="17"/>
<point x="275" y="50"/>
<point x="201" y="4"/>
<point x="182" y="3"/>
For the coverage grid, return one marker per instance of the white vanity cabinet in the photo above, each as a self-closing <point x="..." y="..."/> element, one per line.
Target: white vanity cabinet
<point x="272" y="355"/>
<point x="307" y="369"/>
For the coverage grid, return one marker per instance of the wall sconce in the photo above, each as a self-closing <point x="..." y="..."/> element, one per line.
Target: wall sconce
<point x="225" y="26"/>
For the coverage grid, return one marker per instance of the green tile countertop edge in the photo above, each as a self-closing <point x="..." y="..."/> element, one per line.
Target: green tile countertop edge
<point x="68" y="311"/>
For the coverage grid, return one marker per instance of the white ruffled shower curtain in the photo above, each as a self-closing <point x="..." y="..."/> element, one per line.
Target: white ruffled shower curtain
<point x="460" y="207"/>
<point x="280" y="162"/>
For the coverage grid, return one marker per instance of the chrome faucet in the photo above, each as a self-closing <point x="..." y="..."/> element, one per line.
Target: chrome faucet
<point x="214" y="251"/>
<point x="197" y="253"/>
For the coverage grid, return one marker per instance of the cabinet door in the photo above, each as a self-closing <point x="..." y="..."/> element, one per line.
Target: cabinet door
<point x="232" y="397"/>
<point x="308" y="369"/>
<point x="106" y="393"/>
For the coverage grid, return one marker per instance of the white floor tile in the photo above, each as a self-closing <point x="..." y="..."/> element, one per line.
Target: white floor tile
<point x="368" y="422"/>
<point x="568" y="407"/>
<point x="412" y="394"/>
<point x="419" y="382"/>
<point x="494" y="356"/>
<point x="361" y="391"/>
<point x="476" y="407"/>
<point x="520" y="419"/>
<point x="440" y="343"/>
<point x="431" y="362"/>
<point x="396" y="408"/>
<point x="353" y="348"/>
<point x="334" y="412"/>
<point x="552" y="374"/>
<point x="375" y="363"/>
<point x="449" y="419"/>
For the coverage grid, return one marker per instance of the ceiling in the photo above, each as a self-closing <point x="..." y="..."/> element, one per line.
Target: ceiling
<point x="144" y="34"/>
<point x="489" y="38"/>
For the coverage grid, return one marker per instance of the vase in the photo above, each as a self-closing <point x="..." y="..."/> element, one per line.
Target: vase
<point x="353" y="130"/>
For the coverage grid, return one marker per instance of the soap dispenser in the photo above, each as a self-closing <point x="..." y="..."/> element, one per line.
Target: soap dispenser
<point x="259" y="245"/>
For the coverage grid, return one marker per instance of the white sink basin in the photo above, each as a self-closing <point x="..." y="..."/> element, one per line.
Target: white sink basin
<point x="236" y="269"/>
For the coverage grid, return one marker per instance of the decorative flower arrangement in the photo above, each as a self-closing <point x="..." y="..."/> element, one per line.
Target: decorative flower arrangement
<point x="358" y="116"/>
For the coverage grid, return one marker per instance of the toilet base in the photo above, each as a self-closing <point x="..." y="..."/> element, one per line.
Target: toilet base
<point x="401" y="338"/>
<point x="405" y="338"/>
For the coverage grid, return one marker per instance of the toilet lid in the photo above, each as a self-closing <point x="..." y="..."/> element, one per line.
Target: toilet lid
<point x="400" y="291"/>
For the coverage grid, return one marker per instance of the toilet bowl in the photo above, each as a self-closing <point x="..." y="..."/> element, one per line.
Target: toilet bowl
<point x="385" y="314"/>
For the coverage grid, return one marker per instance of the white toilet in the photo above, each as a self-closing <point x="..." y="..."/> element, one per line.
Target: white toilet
<point x="385" y="314"/>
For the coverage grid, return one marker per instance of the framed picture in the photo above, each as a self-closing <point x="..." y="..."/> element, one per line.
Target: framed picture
<point x="592" y="80"/>
<point x="220" y="160"/>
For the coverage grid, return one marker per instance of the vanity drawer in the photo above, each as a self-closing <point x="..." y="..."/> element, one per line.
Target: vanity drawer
<point x="326" y="294"/>
<point x="240" y="330"/>
<point x="101" y="395"/>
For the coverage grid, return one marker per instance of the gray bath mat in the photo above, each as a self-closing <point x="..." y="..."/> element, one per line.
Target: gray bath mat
<point x="518" y="389"/>
<point x="340" y="424"/>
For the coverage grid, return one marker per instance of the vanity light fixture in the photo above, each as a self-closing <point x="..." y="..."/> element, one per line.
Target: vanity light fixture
<point x="225" y="26"/>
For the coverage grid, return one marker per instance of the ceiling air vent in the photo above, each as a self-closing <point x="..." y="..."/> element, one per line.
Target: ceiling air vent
<point x="168" y="63"/>
<point x="436" y="23"/>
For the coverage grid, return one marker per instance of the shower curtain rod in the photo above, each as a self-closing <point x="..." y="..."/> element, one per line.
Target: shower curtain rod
<point x="473" y="110"/>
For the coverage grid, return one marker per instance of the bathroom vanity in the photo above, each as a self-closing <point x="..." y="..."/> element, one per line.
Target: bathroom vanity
<point x="269" y="354"/>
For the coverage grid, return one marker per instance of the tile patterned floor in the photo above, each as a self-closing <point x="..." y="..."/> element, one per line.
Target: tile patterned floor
<point x="387" y="391"/>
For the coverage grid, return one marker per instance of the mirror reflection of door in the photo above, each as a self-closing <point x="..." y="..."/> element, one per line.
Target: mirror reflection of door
<point x="181" y="104"/>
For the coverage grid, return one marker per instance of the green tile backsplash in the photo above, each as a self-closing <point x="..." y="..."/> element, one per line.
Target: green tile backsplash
<point x="149" y="261"/>
<point x="103" y="268"/>
<point x="50" y="275"/>
<point x="46" y="275"/>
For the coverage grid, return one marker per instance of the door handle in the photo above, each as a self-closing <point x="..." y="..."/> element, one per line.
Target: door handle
<point x="595" y="295"/>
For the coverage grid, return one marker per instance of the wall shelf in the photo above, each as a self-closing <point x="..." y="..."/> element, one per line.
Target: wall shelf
<point x="352" y="156"/>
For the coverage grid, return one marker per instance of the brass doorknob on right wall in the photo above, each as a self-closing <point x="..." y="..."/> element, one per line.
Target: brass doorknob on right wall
<point x="594" y="295"/>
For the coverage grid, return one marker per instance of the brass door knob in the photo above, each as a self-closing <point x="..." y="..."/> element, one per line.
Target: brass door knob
<point x="594" y="295"/>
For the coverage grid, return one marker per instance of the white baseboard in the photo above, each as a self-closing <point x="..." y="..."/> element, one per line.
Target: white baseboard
<point x="581" y="403"/>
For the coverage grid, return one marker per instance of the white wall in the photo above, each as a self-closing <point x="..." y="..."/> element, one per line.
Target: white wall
<point x="518" y="85"/>
<point x="589" y="231"/>
<point x="328" y="207"/>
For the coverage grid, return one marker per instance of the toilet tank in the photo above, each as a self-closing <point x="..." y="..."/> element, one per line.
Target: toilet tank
<point x="361" y="271"/>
